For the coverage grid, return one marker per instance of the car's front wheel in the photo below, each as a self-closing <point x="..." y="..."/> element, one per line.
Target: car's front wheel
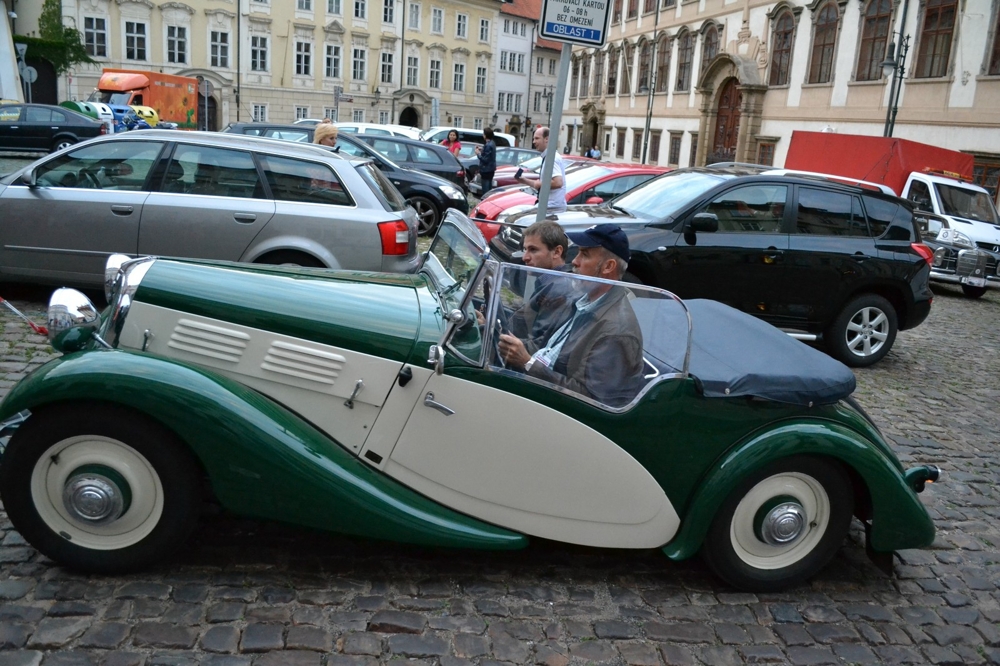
<point x="863" y="332"/>
<point x="781" y="525"/>
<point x="973" y="292"/>
<point x="100" y="488"/>
<point x="62" y="142"/>
<point x="427" y="215"/>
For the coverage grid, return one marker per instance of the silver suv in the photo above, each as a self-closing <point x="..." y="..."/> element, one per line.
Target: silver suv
<point x="200" y="195"/>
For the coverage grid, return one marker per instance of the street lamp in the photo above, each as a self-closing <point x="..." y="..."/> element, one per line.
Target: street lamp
<point x="378" y="97"/>
<point x="898" y="70"/>
<point x="547" y="94"/>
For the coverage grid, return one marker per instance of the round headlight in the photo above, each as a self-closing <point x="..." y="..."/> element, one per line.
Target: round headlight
<point x="111" y="269"/>
<point x="72" y="320"/>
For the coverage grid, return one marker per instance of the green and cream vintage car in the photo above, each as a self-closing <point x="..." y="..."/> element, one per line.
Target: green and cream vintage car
<point x="377" y="405"/>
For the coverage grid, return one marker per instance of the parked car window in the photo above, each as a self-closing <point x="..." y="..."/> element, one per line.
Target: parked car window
<point x="423" y="155"/>
<point x="253" y="131"/>
<point x="380" y="132"/>
<point x="304" y="181"/>
<point x="880" y="214"/>
<point x="823" y="213"/>
<point x="10" y="114"/>
<point x="383" y="189"/>
<point x="665" y="196"/>
<point x="121" y="166"/>
<point x="302" y="136"/>
<point x="346" y="148"/>
<point x="36" y="114"/>
<point x="215" y="172"/>
<point x="390" y="149"/>
<point x="753" y="208"/>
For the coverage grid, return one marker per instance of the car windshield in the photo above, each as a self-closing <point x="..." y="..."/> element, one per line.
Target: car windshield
<point x="580" y="177"/>
<point x="532" y="164"/>
<point x="109" y="97"/>
<point x="663" y="197"/>
<point x="968" y="203"/>
<point x="453" y="258"/>
<point x="381" y="186"/>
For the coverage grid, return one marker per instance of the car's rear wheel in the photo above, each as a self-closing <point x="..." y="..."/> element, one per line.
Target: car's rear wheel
<point x="781" y="525"/>
<point x="100" y="488"/>
<point x="427" y="214"/>
<point x="863" y="332"/>
<point x="973" y="292"/>
<point x="62" y="142"/>
<point x="290" y="258"/>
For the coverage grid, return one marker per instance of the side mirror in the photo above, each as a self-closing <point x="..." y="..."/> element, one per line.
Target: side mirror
<point x="594" y="200"/>
<point x="707" y="222"/>
<point x="28" y="178"/>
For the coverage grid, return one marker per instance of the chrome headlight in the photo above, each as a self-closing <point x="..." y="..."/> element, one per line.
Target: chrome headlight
<point x="452" y="192"/>
<point x="72" y="320"/>
<point x="124" y="281"/>
<point x="955" y="237"/>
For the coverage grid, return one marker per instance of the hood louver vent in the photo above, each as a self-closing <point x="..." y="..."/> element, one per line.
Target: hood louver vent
<point x="303" y="362"/>
<point x="207" y="340"/>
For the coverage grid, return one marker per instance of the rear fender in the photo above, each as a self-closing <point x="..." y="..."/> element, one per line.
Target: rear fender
<point x="262" y="460"/>
<point x="899" y="520"/>
<point x="290" y="244"/>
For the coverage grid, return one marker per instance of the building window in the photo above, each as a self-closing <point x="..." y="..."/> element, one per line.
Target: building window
<point x="301" y="112"/>
<point x="552" y="66"/>
<point x="383" y="117"/>
<point x="539" y="65"/>
<point x="500" y="97"/>
<point x="95" y="36"/>
<point x="389" y="11"/>
<point x="480" y="80"/>
<point x="359" y="63"/>
<point x="538" y="101"/>
<point x="414" y="20"/>
<point x="260" y="113"/>
<point x="331" y="113"/>
<point x="435" y="76"/>
<point x="358" y="115"/>
<point x="628" y="60"/>
<point x="685" y="54"/>
<point x="781" y="59"/>
<point x="219" y="47"/>
<point x="663" y="64"/>
<point x="648" y="6"/>
<point x="669" y="3"/>
<point x="484" y="30"/>
<point x="458" y="121"/>
<point x="412" y="71"/>
<point x="332" y="61"/>
<point x="674" y="158"/>
<point x="303" y="58"/>
<point x="653" y="155"/>
<point x="504" y="56"/>
<point x="506" y="26"/>
<point x="616" y="14"/>
<point x="995" y="58"/>
<point x="709" y="46"/>
<point x="574" y="80"/>
<point x="693" y="154"/>
<point x="637" y="144"/>
<point x="386" y="68"/>
<point x="986" y="174"/>
<point x="620" y="146"/>
<point x="462" y="26"/>
<point x="613" y="71"/>
<point x="633" y="8"/>
<point x="520" y="63"/>
<point x="517" y="102"/>
<point x="306" y="6"/>
<point x="477" y="123"/>
<point x="935" y="38"/>
<point x="585" y="76"/>
<point x="598" y="72"/>
<point x="458" y="80"/>
<point x="874" y="35"/>
<point x="135" y="41"/>
<point x="334" y="7"/>
<point x="437" y="21"/>
<point x="765" y="154"/>
<point x="645" y="53"/>
<point x="176" y="44"/>
<point x="360" y="10"/>
<point x="824" y="43"/>
<point x="258" y="54"/>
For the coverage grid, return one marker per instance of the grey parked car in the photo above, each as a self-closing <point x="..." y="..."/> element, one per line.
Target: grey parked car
<point x="200" y="195"/>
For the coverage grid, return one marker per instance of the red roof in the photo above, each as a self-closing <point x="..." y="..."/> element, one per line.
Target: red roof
<point x="529" y="9"/>
<point x="548" y="44"/>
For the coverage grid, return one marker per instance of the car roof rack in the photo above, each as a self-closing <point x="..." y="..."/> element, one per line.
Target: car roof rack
<point x="738" y="165"/>
<point x="885" y="189"/>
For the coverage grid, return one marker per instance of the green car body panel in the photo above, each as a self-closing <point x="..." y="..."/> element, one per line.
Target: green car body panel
<point x="262" y="459"/>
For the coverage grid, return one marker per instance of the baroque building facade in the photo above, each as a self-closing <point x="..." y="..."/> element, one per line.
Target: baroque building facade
<point x="689" y="82"/>
<point x="411" y="62"/>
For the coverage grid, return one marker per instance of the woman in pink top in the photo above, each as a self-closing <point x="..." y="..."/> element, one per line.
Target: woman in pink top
<point x="452" y="143"/>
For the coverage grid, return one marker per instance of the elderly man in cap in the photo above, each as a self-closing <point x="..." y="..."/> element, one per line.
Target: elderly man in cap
<point x="597" y="352"/>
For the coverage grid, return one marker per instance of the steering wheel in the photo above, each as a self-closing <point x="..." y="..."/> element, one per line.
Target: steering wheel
<point x="90" y="178"/>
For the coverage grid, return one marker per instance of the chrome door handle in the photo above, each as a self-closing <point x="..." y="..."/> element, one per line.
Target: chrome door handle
<point x="430" y="402"/>
<point x="121" y="210"/>
<point x="244" y="217"/>
<point x="349" y="403"/>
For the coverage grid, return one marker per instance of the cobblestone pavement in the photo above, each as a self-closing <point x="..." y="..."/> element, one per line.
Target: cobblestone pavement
<point x="243" y="592"/>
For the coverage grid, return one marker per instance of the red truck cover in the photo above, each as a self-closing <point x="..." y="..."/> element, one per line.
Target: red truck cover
<point x="877" y="159"/>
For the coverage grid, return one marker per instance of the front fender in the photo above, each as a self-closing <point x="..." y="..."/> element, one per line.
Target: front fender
<point x="261" y="459"/>
<point x="899" y="520"/>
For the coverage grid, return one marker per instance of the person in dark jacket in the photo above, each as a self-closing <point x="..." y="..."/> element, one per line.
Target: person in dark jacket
<point x="487" y="162"/>
<point x="597" y="352"/>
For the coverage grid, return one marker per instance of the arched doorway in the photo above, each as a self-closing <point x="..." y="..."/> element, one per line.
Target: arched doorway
<point x="212" y="119"/>
<point x="409" y="117"/>
<point x="727" y="123"/>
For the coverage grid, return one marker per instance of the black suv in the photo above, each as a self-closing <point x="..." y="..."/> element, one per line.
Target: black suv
<point x="821" y="259"/>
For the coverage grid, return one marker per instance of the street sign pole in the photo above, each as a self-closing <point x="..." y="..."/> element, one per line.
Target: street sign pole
<point x="550" y="152"/>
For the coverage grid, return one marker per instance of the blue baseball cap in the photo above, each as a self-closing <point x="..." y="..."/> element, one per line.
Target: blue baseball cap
<point x="609" y="236"/>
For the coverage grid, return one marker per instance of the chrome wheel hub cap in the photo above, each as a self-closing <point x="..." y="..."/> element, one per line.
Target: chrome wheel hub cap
<point x="783" y="524"/>
<point x="93" y="498"/>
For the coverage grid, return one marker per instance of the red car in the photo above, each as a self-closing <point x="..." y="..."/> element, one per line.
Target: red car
<point x="505" y="175"/>
<point x="591" y="183"/>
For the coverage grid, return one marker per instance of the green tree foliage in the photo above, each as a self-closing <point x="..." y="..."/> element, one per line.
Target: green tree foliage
<point x="60" y="45"/>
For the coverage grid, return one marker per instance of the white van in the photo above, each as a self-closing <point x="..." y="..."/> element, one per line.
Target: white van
<point x="381" y="130"/>
<point x="439" y="134"/>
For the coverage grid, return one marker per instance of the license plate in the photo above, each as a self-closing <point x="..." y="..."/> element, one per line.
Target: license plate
<point x="974" y="281"/>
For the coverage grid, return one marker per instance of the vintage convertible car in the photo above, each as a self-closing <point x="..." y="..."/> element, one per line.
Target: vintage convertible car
<point x="362" y="403"/>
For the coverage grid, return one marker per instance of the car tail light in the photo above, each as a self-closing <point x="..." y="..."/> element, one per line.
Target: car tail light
<point x="395" y="237"/>
<point x="103" y="130"/>
<point x="924" y="252"/>
<point x="460" y="174"/>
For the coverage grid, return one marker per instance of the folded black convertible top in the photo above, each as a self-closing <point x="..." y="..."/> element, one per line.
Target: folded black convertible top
<point x="736" y="354"/>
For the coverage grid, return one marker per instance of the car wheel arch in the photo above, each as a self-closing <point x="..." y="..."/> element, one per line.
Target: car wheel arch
<point x="258" y="253"/>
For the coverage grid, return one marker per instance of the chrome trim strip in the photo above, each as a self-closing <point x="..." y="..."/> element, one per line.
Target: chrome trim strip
<point x="57" y="250"/>
<point x="806" y="337"/>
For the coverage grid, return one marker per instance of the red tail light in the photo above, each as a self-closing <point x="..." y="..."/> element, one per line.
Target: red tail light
<point x="923" y="251"/>
<point x="104" y="129"/>
<point x="460" y="173"/>
<point x="395" y="237"/>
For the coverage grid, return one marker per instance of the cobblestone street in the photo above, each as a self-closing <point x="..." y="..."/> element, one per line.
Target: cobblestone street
<point x="243" y="592"/>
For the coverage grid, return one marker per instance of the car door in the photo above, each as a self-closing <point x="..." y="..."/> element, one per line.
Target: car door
<point x="86" y="205"/>
<point x="210" y="205"/>
<point x="39" y="126"/>
<point x="831" y="252"/>
<point x="742" y="264"/>
<point x="11" y="128"/>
